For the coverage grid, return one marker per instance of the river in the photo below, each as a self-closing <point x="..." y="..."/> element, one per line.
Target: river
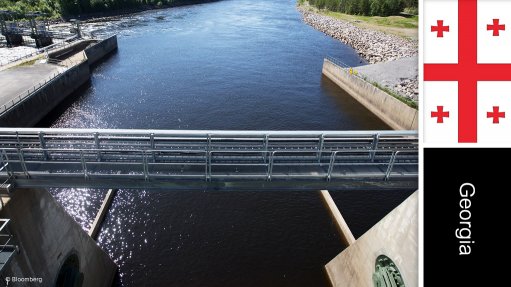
<point x="234" y="64"/>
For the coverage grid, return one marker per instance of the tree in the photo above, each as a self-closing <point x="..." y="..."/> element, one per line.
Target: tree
<point x="364" y="7"/>
<point x="69" y="7"/>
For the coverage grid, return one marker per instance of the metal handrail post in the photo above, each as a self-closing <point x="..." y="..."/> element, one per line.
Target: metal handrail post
<point x="270" y="166"/>
<point x="320" y="147"/>
<point x="146" y="168"/>
<point x="23" y="164"/>
<point x="96" y="144"/>
<point x="331" y="165"/>
<point x="43" y="144"/>
<point x="391" y="165"/>
<point x="5" y="163"/>
<point x="266" y="144"/>
<point x="84" y="165"/>
<point x="376" y="139"/>
<point x="208" y="175"/>
<point x="151" y="139"/>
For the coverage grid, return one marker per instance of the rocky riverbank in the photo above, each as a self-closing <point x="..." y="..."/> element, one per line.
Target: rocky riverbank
<point x="399" y="75"/>
<point x="375" y="47"/>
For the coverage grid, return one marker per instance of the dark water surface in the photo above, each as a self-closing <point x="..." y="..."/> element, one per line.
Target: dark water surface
<point x="239" y="64"/>
<point x="235" y="64"/>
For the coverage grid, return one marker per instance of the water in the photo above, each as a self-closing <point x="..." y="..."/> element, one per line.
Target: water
<point x="235" y="64"/>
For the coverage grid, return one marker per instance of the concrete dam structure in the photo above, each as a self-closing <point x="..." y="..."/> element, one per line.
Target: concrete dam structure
<point x="28" y="109"/>
<point x="41" y="244"/>
<point x="392" y="111"/>
<point x="393" y="239"/>
<point x="45" y="246"/>
<point x="52" y="249"/>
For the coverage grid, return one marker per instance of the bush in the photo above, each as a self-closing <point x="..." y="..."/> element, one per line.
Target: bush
<point x="411" y="10"/>
<point x="50" y="7"/>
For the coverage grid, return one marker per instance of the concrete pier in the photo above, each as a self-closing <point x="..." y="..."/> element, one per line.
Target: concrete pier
<point x="103" y="211"/>
<point x="395" y="236"/>
<point x="52" y="246"/>
<point x="347" y="237"/>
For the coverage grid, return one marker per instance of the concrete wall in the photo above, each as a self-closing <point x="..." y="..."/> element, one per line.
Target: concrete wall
<point x="101" y="49"/>
<point x="33" y="108"/>
<point x="392" y="111"/>
<point x="46" y="235"/>
<point x="65" y="52"/>
<point x="395" y="236"/>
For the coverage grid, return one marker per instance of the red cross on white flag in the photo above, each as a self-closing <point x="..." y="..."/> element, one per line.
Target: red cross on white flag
<point x="467" y="71"/>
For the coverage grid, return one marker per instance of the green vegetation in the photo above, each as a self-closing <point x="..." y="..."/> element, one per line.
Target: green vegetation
<point x="411" y="103"/>
<point x="50" y="7"/>
<point x="29" y="63"/>
<point x="406" y="27"/>
<point x="58" y="8"/>
<point x="390" y="21"/>
<point x="368" y="7"/>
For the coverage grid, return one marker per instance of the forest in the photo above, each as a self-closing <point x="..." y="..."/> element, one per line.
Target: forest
<point x="65" y="8"/>
<point x="368" y="7"/>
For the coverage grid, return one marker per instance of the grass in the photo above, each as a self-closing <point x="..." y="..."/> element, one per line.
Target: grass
<point x="406" y="27"/>
<point x="390" y="21"/>
<point x="28" y="63"/>
<point x="411" y="103"/>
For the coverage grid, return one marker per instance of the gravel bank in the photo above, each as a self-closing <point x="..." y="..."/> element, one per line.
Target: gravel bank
<point x="374" y="46"/>
<point x="398" y="75"/>
<point x="395" y="58"/>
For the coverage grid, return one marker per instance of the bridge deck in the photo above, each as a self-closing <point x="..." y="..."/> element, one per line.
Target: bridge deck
<point x="209" y="159"/>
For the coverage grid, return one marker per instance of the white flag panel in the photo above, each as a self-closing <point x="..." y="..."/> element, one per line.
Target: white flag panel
<point x="441" y="49"/>
<point x="438" y="97"/>
<point x="494" y="98"/>
<point x="492" y="48"/>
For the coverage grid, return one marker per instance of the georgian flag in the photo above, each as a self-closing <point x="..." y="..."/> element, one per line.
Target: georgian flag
<point x="467" y="71"/>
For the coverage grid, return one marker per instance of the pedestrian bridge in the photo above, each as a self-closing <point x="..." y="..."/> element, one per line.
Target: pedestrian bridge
<point x="227" y="160"/>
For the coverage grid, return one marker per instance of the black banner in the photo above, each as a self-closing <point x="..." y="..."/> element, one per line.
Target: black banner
<point x="465" y="214"/>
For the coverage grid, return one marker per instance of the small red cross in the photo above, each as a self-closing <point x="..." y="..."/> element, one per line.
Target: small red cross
<point x="440" y="28"/>
<point x="496" y="115"/>
<point x="440" y="114"/>
<point x="496" y="27"/>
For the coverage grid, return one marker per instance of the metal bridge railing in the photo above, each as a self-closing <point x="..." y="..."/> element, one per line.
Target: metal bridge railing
<point x="207" y="155"/>
<point x="337" y="62"/>
<point x="7" y="244"/>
